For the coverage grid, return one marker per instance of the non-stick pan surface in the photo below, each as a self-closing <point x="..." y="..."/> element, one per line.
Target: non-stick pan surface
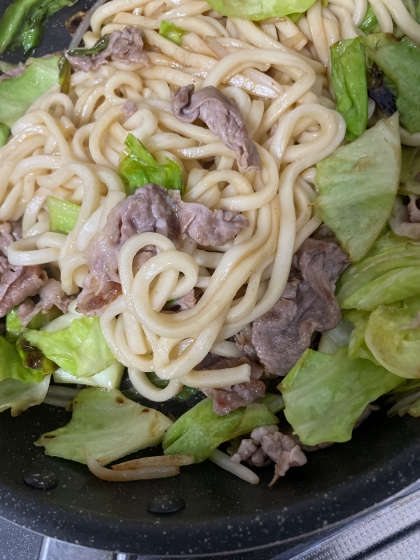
<point x="222" y="513"/>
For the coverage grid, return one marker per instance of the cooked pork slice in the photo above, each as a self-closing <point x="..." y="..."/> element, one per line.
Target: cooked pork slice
<point x="414" y="209"/>
<point x="229" y="398"/>
<point x="406" y="219"/>
<point x="223" y="117"/>
<point x="17" y="282"/>
<point x="129" y="108"/>
<point x="124" y="46"/>
<point x="244" y="343"/>
<point x="9" y="232"/>
<point x="207" y="227"/>
<point x="308" y="304"/>
<point x="182" y="303"/>
<point x="267" y="444"/>
<point x="13" y="72"/>
<point x="150" y="209"/>
<point x="50" y="294"/>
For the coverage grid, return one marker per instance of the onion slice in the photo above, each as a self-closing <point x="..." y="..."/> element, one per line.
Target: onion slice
<point x="110" y="475"/>
<point x="159" y="461"/>
<point x="84" y="26"/>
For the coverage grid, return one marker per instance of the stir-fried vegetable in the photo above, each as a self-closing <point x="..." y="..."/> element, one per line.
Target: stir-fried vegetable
<point x="14" y="325"/>
<point x="109" y="378"/>
<point x="172" y="32"/>
<point x="17" y="94"/>
<point x="357" y="186"/>
<point x="19" y="396"/>
<point x="63" y="214"/>
<point x="22" y="25"/>
<point x="257" y="10"/>
<point x="138" y="167"/>
<point x="200" y="431"/>
<point x="4" y="134"/>
<point x="11" y="366"/>
<point x="98" y="47"/>
<point x="79" y="347"/>
<point x="389" y="253"/>
<point x="370" y="23"/>
<point x="394" y="343"/>
<point x="348" y="76"/>
<point x="325" y="394"/>
<point x="400" y="61"/>
<point x="410" y="171"/>
<point x="108" y="425"/>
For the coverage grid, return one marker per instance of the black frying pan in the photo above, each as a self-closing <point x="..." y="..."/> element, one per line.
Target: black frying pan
<point x="222" y="513"/>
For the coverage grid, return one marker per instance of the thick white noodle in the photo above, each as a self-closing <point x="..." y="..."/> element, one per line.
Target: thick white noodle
<point x="69" y="146"/>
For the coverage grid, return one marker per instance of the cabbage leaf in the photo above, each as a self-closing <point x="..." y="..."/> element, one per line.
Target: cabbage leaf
<point x="78" y="347"/>
<point x="357" y="344"/>
<point x="200" y="431"/>
<point x="390" y="253"/>
<point x="63" y="214"/>
<point x="4" y="134"/>
<point x="257" y="10"/>
<point x="17" y="94"/>
<point x="390" y="287"/>
<point x="22" y="25"/>
<point x="110" y="378"/>
<point x="12" y="367"/>
<point x="331" y="341"/>
<point x="172" y="32"/>
<point x="370" y="23"/>
<point x="108" y="425"/>
<point x="138" y="168"/>
<point x="348" y="76"/>
<point x="410" y="170"/>
<point x="324" y="394"/>
<point x="392" y="342"/>
<point x="19" y="396"/>
<point x="357" y="185"/>
<point x="14" y="325"/>
<point x="400" y="62"/>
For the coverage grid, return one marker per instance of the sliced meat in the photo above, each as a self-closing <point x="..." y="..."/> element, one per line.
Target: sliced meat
<point x="267" y="444"/>
<point x="13" y="72"/>
<point x="17" y="282"/>
<point x="182" y="303"/>
<point x="50" y="294"/>
<point x="124" y="46"/>
<point x="227" y="399"/>
<point x="406" y="219"/>
<point x="6" y="238"/>
<point x="209" y="228"/>
<point x="223" y="117"/>
<point x="414" y="209"/>
<point x="9" y="232"/>
<point x="129" y="108"/>
<point x="150" y="209"/>
<point x="281" y="335"/>
<point x="244" y="343"/>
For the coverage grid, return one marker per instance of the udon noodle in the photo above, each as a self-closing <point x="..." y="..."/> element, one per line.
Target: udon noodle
<point x="69" y="146"/>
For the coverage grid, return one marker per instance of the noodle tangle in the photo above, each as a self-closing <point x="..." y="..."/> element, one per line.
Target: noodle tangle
<point x="69" y="147"/>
